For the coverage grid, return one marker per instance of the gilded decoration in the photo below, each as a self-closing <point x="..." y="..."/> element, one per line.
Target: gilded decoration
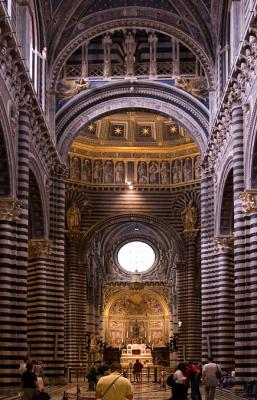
<point x="10" y="208"/>
<point x="249" y="201"/>
<point x="67" y="88"/>
<point x="39" y="248"/>
<point x="136" y="317"/>
<point x="73" y="217"/>
<point x="189" y="218"/>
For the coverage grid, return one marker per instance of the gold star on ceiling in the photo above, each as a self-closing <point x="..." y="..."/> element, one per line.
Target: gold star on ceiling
<point x="91" y="128"/>
<point x="145" y="131"/>
<point x="118" y="130"/>
<point x="173" y="129"/>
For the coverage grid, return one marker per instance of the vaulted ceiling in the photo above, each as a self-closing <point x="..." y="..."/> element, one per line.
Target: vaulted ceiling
<point x="65" y="20"/>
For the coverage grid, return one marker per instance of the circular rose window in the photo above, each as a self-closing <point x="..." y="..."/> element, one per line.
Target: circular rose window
<point x="136" y="256"/>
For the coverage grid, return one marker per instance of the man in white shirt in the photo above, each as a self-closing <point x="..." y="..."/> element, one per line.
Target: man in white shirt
<point x="211" y="373"/>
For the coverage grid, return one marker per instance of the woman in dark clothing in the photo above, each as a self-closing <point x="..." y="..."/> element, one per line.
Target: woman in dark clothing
<point x="29" y="383"/>
<point x="179" y="391"/>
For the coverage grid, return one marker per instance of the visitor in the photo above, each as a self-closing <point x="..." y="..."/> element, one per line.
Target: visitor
<point x="29" y="383"/>
<point x="22" y="366"/>
<point x="211" y="376"/>
<point x="195" y="381"/>
<point x="137" y="371"/>
<point x="179" y="391"/>
<point x="114" y="386"/>
<point x="38" y="369"/>
<point x="92" y="376"/>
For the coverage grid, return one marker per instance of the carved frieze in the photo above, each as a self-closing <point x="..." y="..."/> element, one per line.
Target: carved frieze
<point x="249" y="201"/>
<point x="10" y="208"/>
<point x="40" y="248"/>
<point x="223" y="243"/>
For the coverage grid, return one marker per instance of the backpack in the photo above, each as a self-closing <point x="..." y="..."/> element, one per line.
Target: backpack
<point x="170" y="381"/>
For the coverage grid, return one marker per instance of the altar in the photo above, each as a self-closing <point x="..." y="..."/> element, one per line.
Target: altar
<point x="135" y="352"/>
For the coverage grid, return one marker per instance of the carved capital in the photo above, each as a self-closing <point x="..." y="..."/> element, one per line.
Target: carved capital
<point x="10" y="208"/>
<point x="60" y="171"/>
<point x="223" y="243"/>
<point x="190" y="234"/>
<point x="40" y="248"/>
<point x="249" y="201"/>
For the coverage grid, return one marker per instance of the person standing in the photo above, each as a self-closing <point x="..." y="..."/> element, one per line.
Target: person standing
<point x="211" y="373"/>
<point x="29" y="383"/>
<point x="92" y="376"/>
<point x="137" y="371"/>
<point x="179" y="390"/>
<point x="38" y="369"/>
<point x="114" y="386"/>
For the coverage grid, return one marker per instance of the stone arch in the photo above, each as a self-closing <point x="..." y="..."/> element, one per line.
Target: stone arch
<point x="225" y="201"/>
<point x="111" y="221"/>
<point x="161" y="98"/>
<point x="5" y="187"/>
<point x="130" y="23"/>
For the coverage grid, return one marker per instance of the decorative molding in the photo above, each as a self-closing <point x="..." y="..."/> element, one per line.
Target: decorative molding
<point x="190" y="235"/>
<point x="249" y="201"/>
<point x="74" y="236"/>
<point x="223" y="243"/>
<point x="40" y="248"/>
<point x="10" y="208"/>
<point x="60" y="171"/>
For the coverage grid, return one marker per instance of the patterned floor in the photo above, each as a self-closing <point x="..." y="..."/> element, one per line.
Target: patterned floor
<point x="144" y="391"/>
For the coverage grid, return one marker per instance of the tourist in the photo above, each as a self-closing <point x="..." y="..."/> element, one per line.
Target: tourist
<point x="195" y="380"/>
<point x="211" y="376"/>
<point x="22" y="366"/>
<point x="92" y="376"/>
<point x="114" y="386"/>
<point x="29" y="383"/>
<point x="179" y="391"/>
<point x="38" y="369"/>
<point x="137" y="371"/>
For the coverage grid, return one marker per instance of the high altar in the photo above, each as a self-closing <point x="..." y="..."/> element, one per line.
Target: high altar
<point x="136" y="351"/>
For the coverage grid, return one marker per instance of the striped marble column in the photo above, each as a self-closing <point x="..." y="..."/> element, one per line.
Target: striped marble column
<point x="193" y="347"/>
<point x="209" y="281"/>
<point x="20" y="298"/>
<point x="55" y="278"/>
<point x="242" y="314"/>
<point x="73" y="297"/>
<point x="182" y="310"/>
<point x="38" y="270"/>
<point x="225" y="350"/>
<point x="249" y="205"/>
<point x="11" y="328"/>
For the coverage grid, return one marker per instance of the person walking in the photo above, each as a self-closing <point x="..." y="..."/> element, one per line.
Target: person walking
<point x="211" y="375"/>
<point x="114" y="386"/>
<point x="179" y="389"/>
<point x="195" y="380"/>
<point x="92" y="376"/>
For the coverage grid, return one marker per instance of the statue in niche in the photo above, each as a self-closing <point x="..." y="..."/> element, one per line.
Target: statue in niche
<point x="142" y="172"/>
<point x="189" y="217"/>
<point x="86" y="171"/>
<point x="129" y="47"/>
<point x="153" y="172"/>
<point x="198" y="168"/>
<point x="108" y="172"/>
<point x="73" y="217"/>
<point x="187" y="170"/>
<point x="119" y="172"/>
<point x="98" y="172"/>
<point x="165" y="173"/>
<point x="177" y="173"/>
<point x="75" y="169"/>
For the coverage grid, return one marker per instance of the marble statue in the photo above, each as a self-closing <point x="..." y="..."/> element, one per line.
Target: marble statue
<point x="198" y="168"/>
<point x="86" y="171"/>
<point x="153" y="172"/>
<point x="119" y="172"/>
<point x="142" y="172"/>
<point x="67" y="88"/>
<point x="129" y="46"/>
<point x="75" y="169"/>
<point x="187" y="169"/>
<point x="98" y="172"/>
<point x="165" y="173"/>
<point x="108" y="172"/>
<point x="73" y="217"/>
<point x="177" y="173"/>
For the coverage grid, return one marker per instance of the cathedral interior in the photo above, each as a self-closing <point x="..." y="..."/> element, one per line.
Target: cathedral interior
<point x="128" y="184"/>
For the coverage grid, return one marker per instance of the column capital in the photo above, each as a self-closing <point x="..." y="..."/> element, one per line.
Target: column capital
<point x="60" y="171"/>
<point x="223" y="243"/>
<point x="249" y="201"/>
<point x="39" y="248"/>
<point x="74" y="236"/>
<point x="10" y="208"/>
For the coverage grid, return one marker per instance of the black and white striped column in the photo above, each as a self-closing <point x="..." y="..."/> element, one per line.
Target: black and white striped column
<point x="225" y="352"/>
<point x="11" y="327"/>
<point x="242" y="312"/>
<point x="209" y="281"/>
